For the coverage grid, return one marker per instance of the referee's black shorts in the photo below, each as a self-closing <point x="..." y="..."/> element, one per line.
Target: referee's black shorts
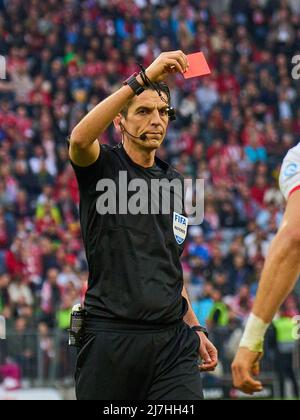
<point x="129" y="362"/>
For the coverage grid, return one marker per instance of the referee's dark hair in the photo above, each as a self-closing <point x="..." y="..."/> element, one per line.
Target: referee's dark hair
<point x="161" y="86"/>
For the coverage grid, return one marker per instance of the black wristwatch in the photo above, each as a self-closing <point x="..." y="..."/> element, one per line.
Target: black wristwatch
<point x="200" y="329"/>
<point x="134" y="84"/>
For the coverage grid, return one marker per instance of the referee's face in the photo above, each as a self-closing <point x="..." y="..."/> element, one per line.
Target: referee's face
<point x="147" y="114"/>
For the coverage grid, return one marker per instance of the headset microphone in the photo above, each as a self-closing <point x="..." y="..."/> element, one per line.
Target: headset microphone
<point x="141" y="137"/>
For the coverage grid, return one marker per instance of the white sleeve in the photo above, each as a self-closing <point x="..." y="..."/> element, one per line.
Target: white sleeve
<point x="289" y="179"/>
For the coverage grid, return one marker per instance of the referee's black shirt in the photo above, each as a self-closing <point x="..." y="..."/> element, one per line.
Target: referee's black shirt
<point x="135" y="274"/>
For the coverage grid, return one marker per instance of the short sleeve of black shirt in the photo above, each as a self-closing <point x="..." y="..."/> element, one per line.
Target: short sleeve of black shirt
<point x="88" y="176"/>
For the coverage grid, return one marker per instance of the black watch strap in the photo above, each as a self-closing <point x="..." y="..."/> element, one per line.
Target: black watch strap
<point x="200" y="329"/>
<point x="134" y="84"/>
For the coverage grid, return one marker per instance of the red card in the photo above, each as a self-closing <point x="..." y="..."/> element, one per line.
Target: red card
<point x="198" y="66"/>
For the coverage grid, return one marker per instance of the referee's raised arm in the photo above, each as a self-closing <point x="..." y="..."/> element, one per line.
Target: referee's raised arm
<point x="84" y="146"/>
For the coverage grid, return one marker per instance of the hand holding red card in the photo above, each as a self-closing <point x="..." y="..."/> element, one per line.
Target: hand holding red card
<point x="197" y="66"/>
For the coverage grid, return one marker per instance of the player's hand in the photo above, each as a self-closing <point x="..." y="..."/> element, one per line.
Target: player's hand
<point x="167" y="63"/>
<point x="244" y="367"/>
<point x="208" y="354"/>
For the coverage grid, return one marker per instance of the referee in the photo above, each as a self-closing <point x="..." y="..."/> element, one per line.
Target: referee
<point x="141" y="339"/>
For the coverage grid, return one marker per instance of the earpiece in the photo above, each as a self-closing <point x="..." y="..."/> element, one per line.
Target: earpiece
<point x="171" y="113"/>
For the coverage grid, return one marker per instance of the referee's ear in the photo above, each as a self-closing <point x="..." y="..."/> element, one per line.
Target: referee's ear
<point x="117" y="121"/>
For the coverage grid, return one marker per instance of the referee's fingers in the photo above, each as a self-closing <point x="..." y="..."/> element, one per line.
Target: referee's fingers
<point x="208" y="367"/>
<point x="206" y="359"/>
<point x="213" y="353"/>
<point x="208" y="354"/>
<point x="209" y="361"/>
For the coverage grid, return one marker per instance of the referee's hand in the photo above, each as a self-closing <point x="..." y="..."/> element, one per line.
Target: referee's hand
<point x="244" y="367"/>
<point x="167" y="63"/>
<point x="208" y="354"/>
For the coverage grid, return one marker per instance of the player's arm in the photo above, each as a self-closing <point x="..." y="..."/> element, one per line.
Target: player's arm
<point x="281" y="271"/>
<point x="207" y="350"/>
<point x="282" y="267"/>
<point x="84" y="146"/>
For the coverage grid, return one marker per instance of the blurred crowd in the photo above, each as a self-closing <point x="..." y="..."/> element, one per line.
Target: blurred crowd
<point x="233" y="130"/>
